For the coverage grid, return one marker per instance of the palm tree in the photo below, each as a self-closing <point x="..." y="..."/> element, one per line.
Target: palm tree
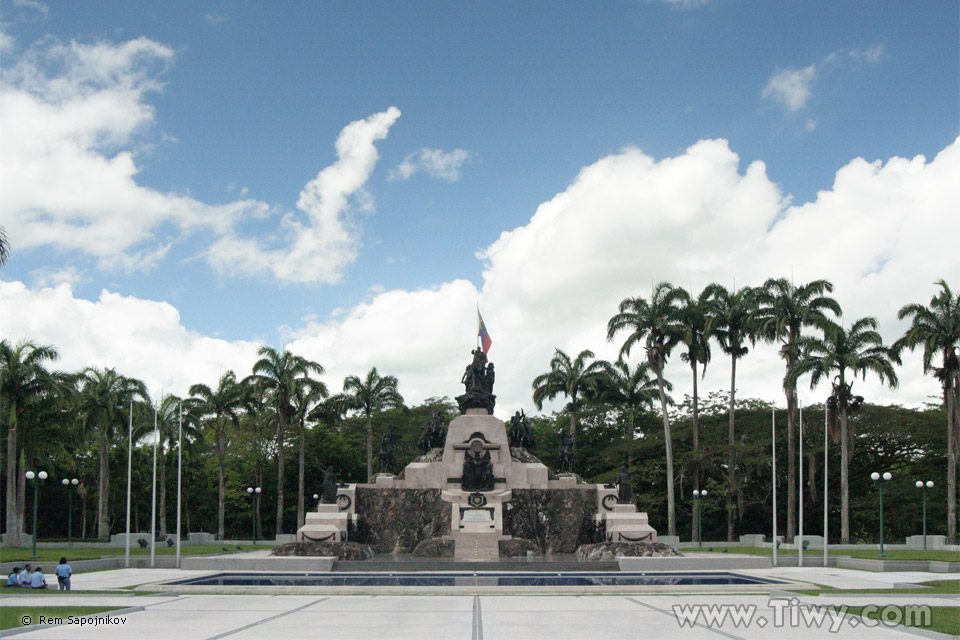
<point x="630" y="387"/>
<point x="783" y="311"/>
<point x="373" y="394"/>
<point x="104" y="400"/>
<point x="936" y="327"/>
<point x="305" y="399"/>
<point x="573" y="379"/>
<point x="281" y="374"/>
<point x="169" y="430"/>
<point x="219" y="409"/>
<point x="694" y="319"/>
<point x="731" y="323"/>
<point x="23" y="378"/>
<point x="4" y="247"/>
<point x="655" y="322"/>
<point x="858" y="350"/>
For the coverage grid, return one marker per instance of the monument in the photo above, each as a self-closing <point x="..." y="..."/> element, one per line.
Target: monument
<point x="476" y="489"/>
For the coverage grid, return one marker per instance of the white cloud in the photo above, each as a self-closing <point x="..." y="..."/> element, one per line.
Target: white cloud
<point x="33" y="5"/>
<point x="214" y="19"/>
<point x="791" y="87"/>
<point x="69" y="115"/>
<point x="437" y="163"/>
<point x="883" y="233"/>
<point x="318" y="249"/>
<point x="140" y="338"/>
<point x="51" y="277"/>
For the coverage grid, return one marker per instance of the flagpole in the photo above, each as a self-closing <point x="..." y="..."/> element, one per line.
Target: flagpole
<point x="826" y="428"/>
<point x="126" y="544"/>
<point x="153" y="498"/>
<point x="800" y="544"/>
<point x="179" y="474"/>
<point x="773" y="444"/>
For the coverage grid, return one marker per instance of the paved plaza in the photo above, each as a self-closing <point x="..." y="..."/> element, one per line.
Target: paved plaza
<point x="256" y="617"/>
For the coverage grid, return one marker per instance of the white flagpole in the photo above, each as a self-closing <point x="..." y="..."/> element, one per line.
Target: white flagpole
<point x="153" y="498"/>
<point x="126" y="544"/>
<point x="826" y="529"/>
<point x="773" y="444"/>
<point x="800" y="543"/>
<point x="179" y="475"/>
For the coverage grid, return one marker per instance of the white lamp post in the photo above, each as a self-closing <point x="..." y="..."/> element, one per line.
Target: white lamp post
<point x="923" y="486"/>
<point x="876" y="480"/>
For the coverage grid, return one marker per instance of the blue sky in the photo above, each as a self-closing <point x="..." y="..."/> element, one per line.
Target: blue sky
<point x="239" y="105"/>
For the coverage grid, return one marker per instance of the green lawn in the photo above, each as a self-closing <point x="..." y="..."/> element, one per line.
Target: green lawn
<point x="934" y="586"/>
<point x="13" y="617"/>
<point x="53" y="554"/>
<point x="891" y="554"/>
<point x="942" y="619"/>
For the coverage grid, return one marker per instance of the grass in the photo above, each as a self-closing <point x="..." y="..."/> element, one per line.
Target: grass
<point x="942" y="619"/>
<point x="52" y="555"/>
<point x="923" y="588"/>
<point x="892" y="554"/>
<point x="12" y="617"/>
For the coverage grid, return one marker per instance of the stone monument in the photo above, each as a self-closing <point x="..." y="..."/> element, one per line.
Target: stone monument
<point x="477" y="488"/>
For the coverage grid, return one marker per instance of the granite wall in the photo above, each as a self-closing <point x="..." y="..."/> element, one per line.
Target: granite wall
<point x="558" y="520"/>
<point x="400" y="519"/>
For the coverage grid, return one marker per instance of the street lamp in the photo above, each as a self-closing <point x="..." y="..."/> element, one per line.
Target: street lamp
<point x="254" y="493"/>
<point x="876" y="480"/>
<point x="67" y="483"/>
<point x="923" y="486"/>
<point x="35" y="479"/>
<point x="696" y="498"/>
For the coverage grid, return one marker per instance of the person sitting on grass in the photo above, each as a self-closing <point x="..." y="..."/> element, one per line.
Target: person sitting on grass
<point x="63" y="571"/>
<point x="24" y="576"/>
<point x="37" y="579"/>
<point x="13" y="580"/>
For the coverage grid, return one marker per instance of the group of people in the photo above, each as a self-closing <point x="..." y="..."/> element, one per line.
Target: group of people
<point x="33" y="578"/>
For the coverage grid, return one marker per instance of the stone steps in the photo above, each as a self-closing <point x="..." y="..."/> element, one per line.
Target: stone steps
<point x="450" y="564"/>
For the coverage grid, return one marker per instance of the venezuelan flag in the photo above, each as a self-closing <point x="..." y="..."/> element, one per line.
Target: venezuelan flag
<point x="485" y="340"/>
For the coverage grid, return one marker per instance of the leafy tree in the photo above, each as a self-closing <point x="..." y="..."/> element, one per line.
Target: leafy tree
<point x="656" y="323"/>
<point x="730" y="321"/>
<point x="105" y="398"/>
<point x="170" y="428"/>
<point x="23" y="379"/>
<point x="858" y="351"/>
<point x="281" y="374"/>
<point x="572" y="378"/>
<point x="369" y="396"/>
<point x="305" y="397"/>
<point x="633" y="389"/>
<point x="784" y="310"/>
<point x="936" y="327"/>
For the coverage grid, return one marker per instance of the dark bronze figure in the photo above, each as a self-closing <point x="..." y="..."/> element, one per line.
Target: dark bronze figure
<point x="478" y="379"/>
<point x="386" y="460"/>
<point x="624" y="487"/>
<point x="565" y="454"/>
<point x="477" y="471"/>
<point x="328" y="495"/>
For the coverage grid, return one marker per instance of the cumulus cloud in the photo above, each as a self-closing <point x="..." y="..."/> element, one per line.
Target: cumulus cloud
<point x="791" y="87"/>
<point x="883" y="233"/>
<point x="69" y="117"/>
<point x="318" y="248"/>
<point x="437" y="163"/>
<point x="140" y="338"/>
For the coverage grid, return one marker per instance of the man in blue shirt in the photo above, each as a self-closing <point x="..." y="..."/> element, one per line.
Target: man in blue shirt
<point x="13" y="580"/>
<point x="24" y="576"/>
<point x="37" y="579"/>
<point x="63" y="571"/>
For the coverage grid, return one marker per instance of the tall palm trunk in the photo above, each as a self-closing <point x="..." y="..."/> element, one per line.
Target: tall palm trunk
<point x="731" y="458"/>
<point x="790" y="390"/>
<point x="844" y="474"/>
<point x="103" y="500"/>
<point x="221" y="481"/>
<point x="695" y="520"/>
<point x="369" y="448"/>
<point x="14" y="523"/>
<point x="300" y="516"/>
<point x="281" y="433"/>
<point x="952" y="402"/>
<point x="668" y="441"/>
